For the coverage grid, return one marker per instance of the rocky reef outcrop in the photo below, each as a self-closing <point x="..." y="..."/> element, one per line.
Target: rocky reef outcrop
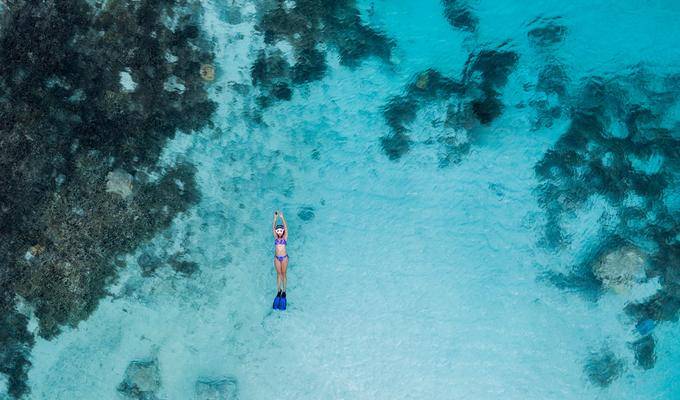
<point x="88" y="98"/>
<point x="217" y="389"/>
<point x="618" y="269"/>
<point x="453" y="107"/>
<point x="307" y="29"/>
<point x="620" y="151"/>
<point x="142" y="380"/>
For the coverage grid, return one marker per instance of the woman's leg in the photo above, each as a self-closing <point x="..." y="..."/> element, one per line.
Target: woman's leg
<point x="284" y="267"/>
<point x="277" y="264"/>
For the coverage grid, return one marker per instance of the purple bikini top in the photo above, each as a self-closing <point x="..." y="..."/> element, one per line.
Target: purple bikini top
<point x="279" y="241"/>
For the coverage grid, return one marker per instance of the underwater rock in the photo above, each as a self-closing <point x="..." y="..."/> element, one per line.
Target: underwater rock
<point x="459" y="15"/>
<point x="550" y="95"/>
<point x="282" y="91"/>
<point x="548" y="34"/>
<point x="310" y="27"/>
<point x="269" y="67"/>
<point x="36" y="249"/>
<point x="643" y="349"/>
<point x="553" y="79"/>
<point x="310" y="66"/>
<point x="487" y="109"/>
<point x="426" y="88"/>
<point x="395" y="145"/>
<point x="493" y="66"/>
<point x="218" y="389"/>
<point x="142" y="379"/>
<point x="618" y="269"/>
<point x="207" y="72"/>
<point x="174" y="84"/>
<point x="460" y="116"/>
<point x="400" y="111"/>
<point x="231" y="13"/>
<point x="614" y="121"/>
<point x="432" y="84"/>
<point x="306" y="213"/>
<point x="470" y="102"/>
<point x="126" y="81"/>
<point x="119" y="182"/>
<point x="148" y="263"/>
<point x="182" y="266"/>
<point x="662" y="306"/>
<point x="422" y="81"/>
<point x="580" y="280"/>
<point x="603" y="367"/>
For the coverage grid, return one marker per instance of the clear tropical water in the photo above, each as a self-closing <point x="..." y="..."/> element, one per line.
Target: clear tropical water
<point x="411" y="281"/>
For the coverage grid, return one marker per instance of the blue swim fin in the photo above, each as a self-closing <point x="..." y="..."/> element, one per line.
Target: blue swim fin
<point x="282" y="302"/>
<point x="277" y="301"/>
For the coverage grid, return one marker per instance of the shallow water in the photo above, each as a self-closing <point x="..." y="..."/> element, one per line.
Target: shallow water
<point x="411" y="281"/>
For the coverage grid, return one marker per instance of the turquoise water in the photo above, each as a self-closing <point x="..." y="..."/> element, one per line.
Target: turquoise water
<point x="412" y="280"/>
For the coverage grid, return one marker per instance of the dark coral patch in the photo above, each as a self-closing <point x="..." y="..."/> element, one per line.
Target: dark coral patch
<point x="15" y="348"/>
<point x="473" y="100"/>
<point x="306" y="213"/>
<point x="311" y="26"/>
<point x="603" y="367"/>
<point x="493" y="66"/>
<point x="549" y="32"/>
<point x="643" y="349"/>
<point x="395" y="145"/>
<point x="459" y="15"/>
<point x="619" y="149"/>
<point x="487" y="109"/>
<point x="102" y="89"/>
<point x="310" y="65"/>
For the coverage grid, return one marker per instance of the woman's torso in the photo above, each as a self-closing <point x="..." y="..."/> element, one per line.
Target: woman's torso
<point x="280" y="246"/>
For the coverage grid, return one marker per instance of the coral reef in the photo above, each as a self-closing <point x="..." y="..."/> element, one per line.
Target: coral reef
<point x="603" y="367"/>
<point x="620" y="150"/>
<point x="465" y="104"/>
<point x="618" y="269"/>
<point x="643" y="349"/>
<point x="596" y="156"/>
<point x="548" y="33"/>
<point x="16" y="342"/>
<point x="614" y="265"/>
<point x="306" y="213"/>
<point x="84" y="116"/>
<point x="142" y="380"/>
<point x="309" y="27"/>
<point x="550" y="95"/>
<point x="459" y="15"/>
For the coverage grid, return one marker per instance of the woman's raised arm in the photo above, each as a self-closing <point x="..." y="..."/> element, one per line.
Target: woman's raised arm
<point x="285" y="227"/>
<point x="276" y="216"/>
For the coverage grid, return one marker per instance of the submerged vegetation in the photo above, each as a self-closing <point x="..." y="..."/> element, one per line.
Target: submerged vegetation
<point x="88" y="97"/>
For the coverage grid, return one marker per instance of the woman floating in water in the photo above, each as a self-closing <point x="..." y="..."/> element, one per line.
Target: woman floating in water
<point x="280" y="259"/>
